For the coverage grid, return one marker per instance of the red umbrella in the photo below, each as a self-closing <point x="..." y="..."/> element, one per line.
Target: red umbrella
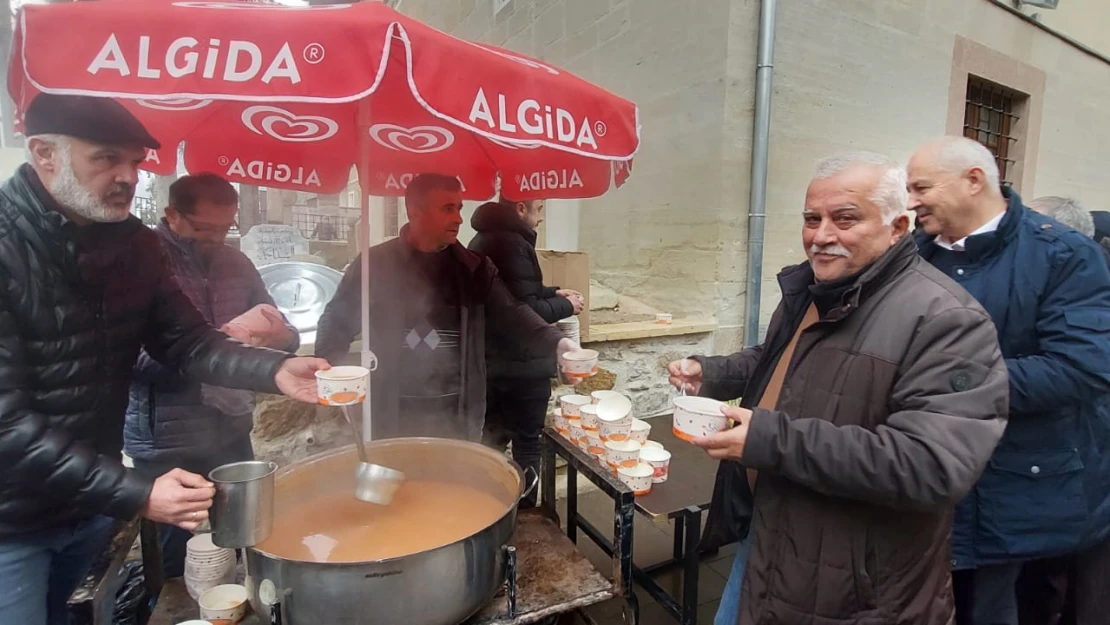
<point x="293" y="97"/>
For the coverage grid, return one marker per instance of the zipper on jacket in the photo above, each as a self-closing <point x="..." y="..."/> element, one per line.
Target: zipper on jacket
<point x="101" y="345"/>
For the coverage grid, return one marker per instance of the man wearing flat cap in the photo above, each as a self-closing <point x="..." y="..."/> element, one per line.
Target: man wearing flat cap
<point x="86" y="286"/>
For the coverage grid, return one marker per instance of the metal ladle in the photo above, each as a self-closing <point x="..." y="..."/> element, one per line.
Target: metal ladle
<point x="373" y="482"/>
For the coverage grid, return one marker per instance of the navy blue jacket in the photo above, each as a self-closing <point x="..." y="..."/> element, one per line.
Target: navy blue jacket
<point x="1046" y="490"/>
<point x="168" y="419"/>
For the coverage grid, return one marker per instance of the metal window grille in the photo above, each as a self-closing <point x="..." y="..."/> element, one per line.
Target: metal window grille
<point x="990" y="117"/>
<point x="146" y="210"/>
<point x="322" y="227"/>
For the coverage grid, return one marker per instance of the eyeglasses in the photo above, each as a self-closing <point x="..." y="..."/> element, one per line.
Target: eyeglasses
<point x="208" y="228"/>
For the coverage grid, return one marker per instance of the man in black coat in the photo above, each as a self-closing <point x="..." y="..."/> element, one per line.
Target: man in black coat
<point x="519" y="383"/>
<point x="85" y="287"/>
<point x="430" y="299"/>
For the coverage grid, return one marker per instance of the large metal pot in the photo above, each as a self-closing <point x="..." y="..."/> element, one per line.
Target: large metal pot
<point x="442" y="586"/>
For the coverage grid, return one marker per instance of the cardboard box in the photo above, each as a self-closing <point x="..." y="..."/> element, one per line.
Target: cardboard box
<point x="569" y="270"/>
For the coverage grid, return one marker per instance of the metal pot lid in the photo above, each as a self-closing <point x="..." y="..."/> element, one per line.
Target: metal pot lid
<point x="301" y="291"/>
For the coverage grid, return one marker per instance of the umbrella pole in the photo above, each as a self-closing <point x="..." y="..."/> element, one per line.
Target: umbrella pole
<point x="368" y="359"/>
<point x="367" y="356"/>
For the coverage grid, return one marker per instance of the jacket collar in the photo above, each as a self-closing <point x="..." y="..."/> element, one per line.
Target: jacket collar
<point x="981" y="246"/>
<point x="796" y="281"/>
<point x="469" y="261"/>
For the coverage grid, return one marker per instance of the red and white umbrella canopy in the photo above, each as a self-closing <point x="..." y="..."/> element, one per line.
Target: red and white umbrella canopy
<point x="293" y="97"/>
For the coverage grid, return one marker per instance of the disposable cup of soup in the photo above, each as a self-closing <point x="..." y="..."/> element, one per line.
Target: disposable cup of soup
<point x="664" y="318"/>
<point x="228" y="601"/>
<point x="638" y="478"/>
<point x="559" y="422"/>
<point x="580" y="364"/>
<point x="622" y="454"/>
<point x="697" y="416"/>
<point x="589" y="417"/>
<point x="653" y="444"/>
<point x="342" y="386"/>
<point x="597" y="396"/>
<point x="572" y="405"/>
<point x="640" y="431"/>
<point x="616" y="430"/>
<point x="660" y="461"/>
<point x="594" y="445"/>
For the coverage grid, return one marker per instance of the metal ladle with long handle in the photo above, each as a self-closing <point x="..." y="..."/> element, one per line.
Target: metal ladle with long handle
<point x="373" y="482"/>
<point x="346" y="387"/>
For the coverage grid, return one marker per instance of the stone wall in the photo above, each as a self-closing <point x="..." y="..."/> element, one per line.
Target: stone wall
<point x="639" y="369"/>
<point x="848" y="74"/>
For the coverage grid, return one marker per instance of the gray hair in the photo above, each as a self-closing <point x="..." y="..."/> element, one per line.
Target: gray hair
<point x="889" y="193"/>
<point x="1067" y="211"/>
<point x="959" y="155"/>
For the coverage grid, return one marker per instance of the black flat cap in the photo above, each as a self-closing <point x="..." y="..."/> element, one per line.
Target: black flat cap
<point x="98" y="120"/>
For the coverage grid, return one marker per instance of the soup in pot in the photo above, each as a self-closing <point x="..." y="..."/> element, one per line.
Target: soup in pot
<point x="333" y="526"/>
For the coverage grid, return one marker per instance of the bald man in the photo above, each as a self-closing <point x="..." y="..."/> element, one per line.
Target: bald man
<point x="1046" y="490"/>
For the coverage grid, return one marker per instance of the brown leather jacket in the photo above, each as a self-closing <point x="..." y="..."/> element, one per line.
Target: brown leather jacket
<point x="892" y="405"/>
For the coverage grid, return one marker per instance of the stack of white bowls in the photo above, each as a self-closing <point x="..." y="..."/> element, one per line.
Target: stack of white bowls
<point x="206" y="565"/>
<point x="570" y="329"/>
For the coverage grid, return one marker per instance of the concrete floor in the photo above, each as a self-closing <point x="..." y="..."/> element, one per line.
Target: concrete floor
<point x="653" y="542"/>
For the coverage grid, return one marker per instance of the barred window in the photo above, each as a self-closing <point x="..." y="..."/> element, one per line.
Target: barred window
<point x="991" y="118"/>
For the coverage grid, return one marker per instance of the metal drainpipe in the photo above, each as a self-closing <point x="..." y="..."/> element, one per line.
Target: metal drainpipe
<point x="757" y="201"/>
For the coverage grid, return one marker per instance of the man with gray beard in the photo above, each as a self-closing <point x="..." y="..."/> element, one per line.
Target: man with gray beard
<point x="85" y="286"/>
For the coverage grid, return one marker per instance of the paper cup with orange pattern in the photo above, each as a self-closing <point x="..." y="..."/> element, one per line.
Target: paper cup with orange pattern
<point x="560" y="423"/>
<point x="640" y="431"/>
<point x="594" y="446"/>
<point x="579" y="364"/>
<point x="616" y="430"/>
<point x="697" y="416"/>
<point x="622" y="454"/>
<point x="342" y="386"/>
<point x="660" y="461"/>
<point x="638" y="478"/>
<point x="589" y="417"/>
<point x="597" y="396"/>
<point x="571" y="405"/>
<point x="578" y="436"/>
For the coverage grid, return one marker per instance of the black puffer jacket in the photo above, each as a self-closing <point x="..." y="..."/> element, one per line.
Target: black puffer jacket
<point x="511" y="246"/>
<point x="76" y="304"/>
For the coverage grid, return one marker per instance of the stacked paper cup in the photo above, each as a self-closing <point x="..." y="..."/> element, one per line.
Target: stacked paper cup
<point x="206" y="565"/>
<point x="570" y="329"/>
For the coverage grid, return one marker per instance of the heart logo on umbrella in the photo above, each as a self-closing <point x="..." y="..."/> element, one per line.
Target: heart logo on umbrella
<point x="418" y="139"/>
<point x="286" y="126"/>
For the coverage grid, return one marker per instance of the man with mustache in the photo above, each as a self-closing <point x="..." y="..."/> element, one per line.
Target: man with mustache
<point x="869" y="410"/>
<point x="429" y="301"/>
<point x="85" y="288"/>
<point x="173" y="421"/>
<point x="1046" y="491"/>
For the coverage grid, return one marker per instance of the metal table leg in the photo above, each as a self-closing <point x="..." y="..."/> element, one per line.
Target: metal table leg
<point x="690" y="564"/>
<point x="679" y="543"/>
<point x="572" y="503"/>
<point x="547" y="469"/>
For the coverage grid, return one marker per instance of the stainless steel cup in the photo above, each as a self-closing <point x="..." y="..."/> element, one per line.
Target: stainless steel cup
<point x="242" y="513"/>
